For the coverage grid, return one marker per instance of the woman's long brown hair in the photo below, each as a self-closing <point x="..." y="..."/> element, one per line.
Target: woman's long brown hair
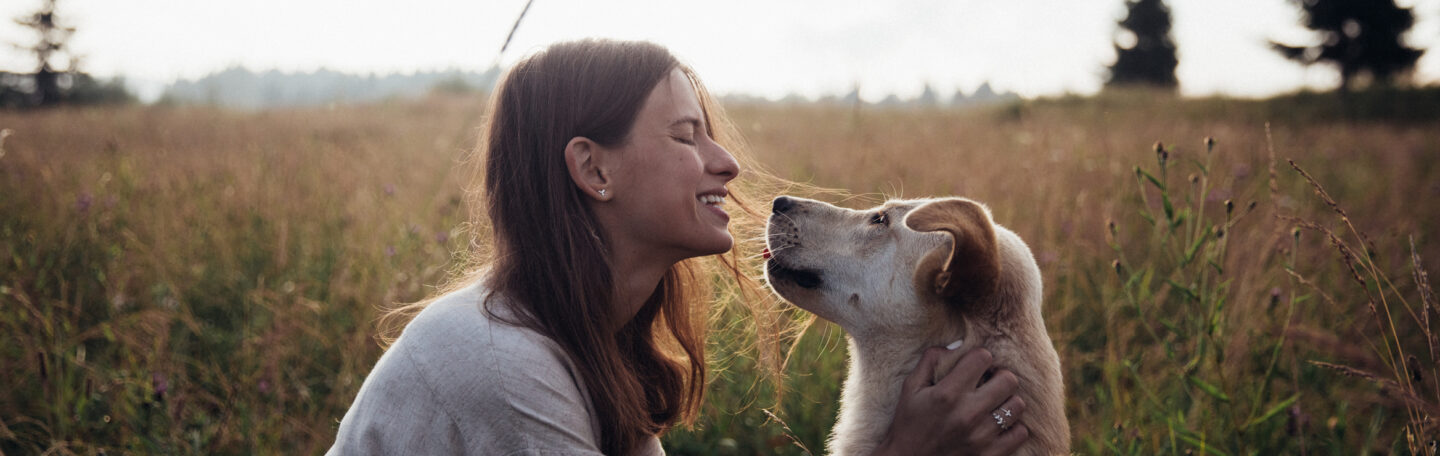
<point x="547" y="256"/>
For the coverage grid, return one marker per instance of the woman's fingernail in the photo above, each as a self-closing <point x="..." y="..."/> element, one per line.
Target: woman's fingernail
<point x="955" y="344"/>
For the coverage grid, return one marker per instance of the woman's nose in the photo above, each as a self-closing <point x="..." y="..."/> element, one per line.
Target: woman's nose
<point x="721" y="163"/>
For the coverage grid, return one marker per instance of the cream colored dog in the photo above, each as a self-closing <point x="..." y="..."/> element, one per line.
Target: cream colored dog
<point x="909" y="275"/>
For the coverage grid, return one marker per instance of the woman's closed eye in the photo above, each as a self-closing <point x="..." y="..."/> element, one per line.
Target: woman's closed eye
<point x="686" y="140"/>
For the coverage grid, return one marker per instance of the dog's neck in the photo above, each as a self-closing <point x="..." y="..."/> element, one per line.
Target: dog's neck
<point x="879" y="364"/>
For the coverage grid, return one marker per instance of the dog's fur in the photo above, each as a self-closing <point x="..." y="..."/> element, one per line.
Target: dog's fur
<point x="909" y="275"/>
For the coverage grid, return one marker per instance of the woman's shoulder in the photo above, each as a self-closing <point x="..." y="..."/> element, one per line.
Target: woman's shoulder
<point x="497" y="376"/>
<point x="456" y="367"/>
<point x="456" y="333"/>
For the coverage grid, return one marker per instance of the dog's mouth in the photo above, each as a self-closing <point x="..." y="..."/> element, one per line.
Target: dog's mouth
<point x="805" y="278"/>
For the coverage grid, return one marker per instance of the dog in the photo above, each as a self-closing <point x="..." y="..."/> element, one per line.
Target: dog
<point x="909" y="275"/>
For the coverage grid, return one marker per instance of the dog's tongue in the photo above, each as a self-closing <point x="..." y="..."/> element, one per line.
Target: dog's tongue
<point x="766" y="253"/>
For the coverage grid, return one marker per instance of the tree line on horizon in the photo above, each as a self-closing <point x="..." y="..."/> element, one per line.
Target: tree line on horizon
<point x="1362" y="39"/>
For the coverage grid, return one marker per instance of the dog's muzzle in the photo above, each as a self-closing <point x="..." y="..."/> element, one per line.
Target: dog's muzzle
<point x="805" y="278"/>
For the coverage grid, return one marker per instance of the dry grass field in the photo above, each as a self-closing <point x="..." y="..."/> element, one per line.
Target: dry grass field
<point x="185" y="280"/>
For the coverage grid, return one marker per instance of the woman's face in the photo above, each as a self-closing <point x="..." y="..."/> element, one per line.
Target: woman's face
<point x="668" y="179"/>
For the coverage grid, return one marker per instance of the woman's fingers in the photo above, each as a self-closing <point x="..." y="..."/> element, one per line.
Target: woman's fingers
<point x="1009" y="441"/>
<point x="954" y="414"/>
<point x="1008" y="414"/>
<point x="993" y="393"/>
<point x="967" y="370"/>
<point x="923" y="370"/>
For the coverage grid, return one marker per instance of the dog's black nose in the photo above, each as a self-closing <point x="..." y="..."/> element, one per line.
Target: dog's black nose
<point x="782" y="204"/>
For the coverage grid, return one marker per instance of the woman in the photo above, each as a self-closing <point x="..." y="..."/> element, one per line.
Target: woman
<point x="583" y="331"/>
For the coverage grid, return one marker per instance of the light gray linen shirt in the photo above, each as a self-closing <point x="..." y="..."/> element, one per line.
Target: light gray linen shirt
<point x="459" y="382"/>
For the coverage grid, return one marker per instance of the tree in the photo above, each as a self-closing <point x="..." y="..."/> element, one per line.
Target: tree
<point x="927" y="97"/>
<point x="51" y="85"/>
<point x="1144" y="51"/>
<point x="51" y="43"/>
<point x="1362" y="37"/>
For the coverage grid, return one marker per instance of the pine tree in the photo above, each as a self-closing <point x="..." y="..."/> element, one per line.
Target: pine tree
<point x="1361" y="37"/>
<point x="51" y="43"/>
<point x="1151" y="59"/>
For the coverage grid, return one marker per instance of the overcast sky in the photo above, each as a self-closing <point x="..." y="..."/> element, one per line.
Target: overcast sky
<point x="762" y="47"/>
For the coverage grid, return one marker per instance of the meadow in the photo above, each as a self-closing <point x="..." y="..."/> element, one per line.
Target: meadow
<point x="192" y="280"/>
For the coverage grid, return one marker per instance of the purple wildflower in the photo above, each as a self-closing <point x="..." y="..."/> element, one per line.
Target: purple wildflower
<point x="83" y="202"/>
<point x="160" y="384"/>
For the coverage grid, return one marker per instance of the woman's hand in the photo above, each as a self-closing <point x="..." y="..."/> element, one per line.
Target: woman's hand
<point x="954" y="416"/>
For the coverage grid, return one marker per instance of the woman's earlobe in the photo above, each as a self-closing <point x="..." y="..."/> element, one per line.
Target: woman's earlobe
<point x="585" y="169"/>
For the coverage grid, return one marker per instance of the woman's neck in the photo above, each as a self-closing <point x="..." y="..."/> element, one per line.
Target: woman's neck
<point x="635" y="277"/>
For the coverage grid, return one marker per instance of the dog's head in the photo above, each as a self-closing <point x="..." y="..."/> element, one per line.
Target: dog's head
<point x="893" y="268"/>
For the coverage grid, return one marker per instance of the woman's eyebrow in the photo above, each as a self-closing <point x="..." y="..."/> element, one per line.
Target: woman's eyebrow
<point x="695" y="122"/>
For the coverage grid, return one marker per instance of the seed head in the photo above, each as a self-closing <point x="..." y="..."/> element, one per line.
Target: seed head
<point x="1229" y="207"/>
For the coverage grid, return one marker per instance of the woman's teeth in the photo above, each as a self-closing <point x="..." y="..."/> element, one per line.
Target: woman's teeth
<point x="714" y="200"/>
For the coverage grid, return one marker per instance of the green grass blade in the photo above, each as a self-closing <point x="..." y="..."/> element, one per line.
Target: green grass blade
<point x="1272" y="411"/>
<point x="1202" y="445"/>
<point x="1150" y="178"/>
<point x="1209" y="389"/>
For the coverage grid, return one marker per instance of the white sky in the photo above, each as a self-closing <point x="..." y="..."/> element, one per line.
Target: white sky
<point x="761" y="47"/>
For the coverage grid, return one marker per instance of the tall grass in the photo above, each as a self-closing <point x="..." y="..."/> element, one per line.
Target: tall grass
<point x="189" y="280"/>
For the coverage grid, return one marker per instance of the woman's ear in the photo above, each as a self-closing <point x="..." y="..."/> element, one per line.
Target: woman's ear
<point x="583" y="160"/>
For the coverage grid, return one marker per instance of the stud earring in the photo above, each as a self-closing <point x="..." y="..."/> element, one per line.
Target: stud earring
<point x="602" y="192"/>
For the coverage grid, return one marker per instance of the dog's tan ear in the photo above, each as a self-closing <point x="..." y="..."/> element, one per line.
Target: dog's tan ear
<point x="971" y="269"/>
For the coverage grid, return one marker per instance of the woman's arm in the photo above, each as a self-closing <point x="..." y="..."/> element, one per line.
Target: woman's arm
<point x="955" y="414"/>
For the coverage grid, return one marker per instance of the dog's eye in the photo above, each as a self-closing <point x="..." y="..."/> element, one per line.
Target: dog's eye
<point x="880" y="218"/>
